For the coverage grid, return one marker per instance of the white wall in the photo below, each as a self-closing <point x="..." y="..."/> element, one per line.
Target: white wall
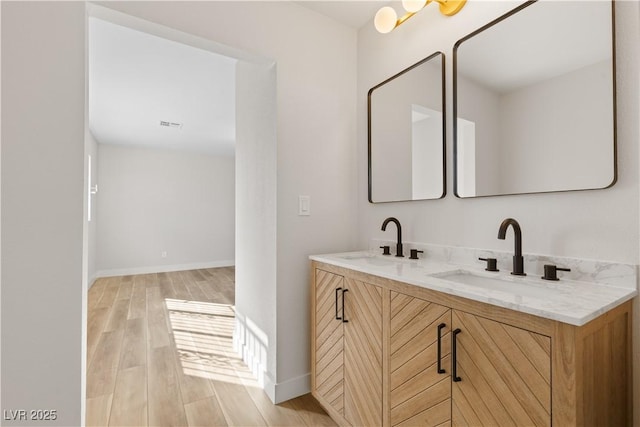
<point x="600" y="224"/>
<point x="154" y="200"/>
<point x="256" y="220"/>
<point x="315" y="154"/>
<point x="43" y="69"/>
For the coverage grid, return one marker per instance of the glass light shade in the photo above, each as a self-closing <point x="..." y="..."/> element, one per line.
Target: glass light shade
<point x="413" y="6"/>
<point x="385" y="20"/>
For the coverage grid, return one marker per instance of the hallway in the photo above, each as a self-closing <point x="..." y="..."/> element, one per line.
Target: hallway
<point x="159" y="352"/>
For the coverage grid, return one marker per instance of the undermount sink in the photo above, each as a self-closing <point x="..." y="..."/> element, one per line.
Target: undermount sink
<point x="356" y="256"/>
<point x="516" y="285"/>
<point x="372" y="259"/>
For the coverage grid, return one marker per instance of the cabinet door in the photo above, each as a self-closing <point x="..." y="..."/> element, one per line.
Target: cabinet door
<point x="329" y="340"/>
<point x="363" y="354"/>
<point x="420" y="391"/>
<point x="505" y="374"/>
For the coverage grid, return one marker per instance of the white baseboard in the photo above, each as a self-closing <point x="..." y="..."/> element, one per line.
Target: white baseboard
<point x="287" y="390"/>
<point x="292" y="388"/>
<point x="92" y="280"/>
<point x="163" y="268"/>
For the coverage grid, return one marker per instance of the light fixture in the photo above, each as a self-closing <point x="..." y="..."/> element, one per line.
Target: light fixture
<point x="413" y="6"/>
<point x="386" y="18"/>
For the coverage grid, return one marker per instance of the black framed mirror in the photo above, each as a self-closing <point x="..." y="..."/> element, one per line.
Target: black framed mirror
<point x="534" y="101"/>
<point x="406" y="134"/>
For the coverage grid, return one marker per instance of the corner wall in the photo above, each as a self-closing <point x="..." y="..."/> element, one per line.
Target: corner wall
<point x="315" y="154"/>
<point x="42" y="193"/>
<point x="598" y="224"/>
<point x="315" y="96"/>
<point x="256" y="191"/>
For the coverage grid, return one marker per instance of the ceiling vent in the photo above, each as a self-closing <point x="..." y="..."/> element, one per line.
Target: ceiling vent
<point x="171" y="124"/>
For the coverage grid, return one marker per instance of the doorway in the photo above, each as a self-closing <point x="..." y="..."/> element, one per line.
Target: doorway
<point x="184" y="302"/>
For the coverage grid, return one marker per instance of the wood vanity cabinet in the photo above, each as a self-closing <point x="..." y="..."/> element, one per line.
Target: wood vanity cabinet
<point x="348" y="349"/>
<point x="411" y="356"/>
<point x="503" y="374"/>
<point x="500" y="375"/>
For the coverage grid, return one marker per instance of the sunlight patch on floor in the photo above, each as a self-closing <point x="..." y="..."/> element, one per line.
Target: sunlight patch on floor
<point x="203" y="334"/>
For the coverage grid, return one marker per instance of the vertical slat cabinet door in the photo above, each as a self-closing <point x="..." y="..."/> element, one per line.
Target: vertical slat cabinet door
<point x="501" y="374"/>
<point x="363" y="353"/>
<point x="420" y="362"/>
<point x="329" y="340"/>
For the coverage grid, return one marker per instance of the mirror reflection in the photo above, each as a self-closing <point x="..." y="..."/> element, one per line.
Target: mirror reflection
<point x="406" y="134"/>
<point x="534" y="104"/>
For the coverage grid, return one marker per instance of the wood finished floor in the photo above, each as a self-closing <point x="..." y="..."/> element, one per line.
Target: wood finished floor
<point x="159" y="353"/>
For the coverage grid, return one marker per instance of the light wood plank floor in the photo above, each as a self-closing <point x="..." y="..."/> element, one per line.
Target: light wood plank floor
<point x="159" y="353"/>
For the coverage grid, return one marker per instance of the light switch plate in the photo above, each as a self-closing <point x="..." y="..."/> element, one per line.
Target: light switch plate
<point x="304" y="205"/>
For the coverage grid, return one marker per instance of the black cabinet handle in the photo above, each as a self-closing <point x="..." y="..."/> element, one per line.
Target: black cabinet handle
<point x="441" y="326"/>
<point x="454" y="358"/>
<point x="337" y="291"/>
<point x="344" y="314"/>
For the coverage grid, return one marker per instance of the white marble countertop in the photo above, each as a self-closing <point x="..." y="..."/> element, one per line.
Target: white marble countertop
<point x="568" y="301"/>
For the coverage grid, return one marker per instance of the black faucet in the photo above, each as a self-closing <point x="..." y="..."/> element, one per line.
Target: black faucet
<point x="399" y="244"/>
<point x="518" y="261"/>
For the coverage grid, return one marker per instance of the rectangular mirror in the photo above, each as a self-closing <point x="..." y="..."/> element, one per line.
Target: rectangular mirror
<point x="406" y="134"/>
<point x="534" y="101"/>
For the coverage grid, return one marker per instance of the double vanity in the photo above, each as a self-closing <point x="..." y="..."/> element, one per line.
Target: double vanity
<point x="409" y="334"/>
<point x="443" y="340"/>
